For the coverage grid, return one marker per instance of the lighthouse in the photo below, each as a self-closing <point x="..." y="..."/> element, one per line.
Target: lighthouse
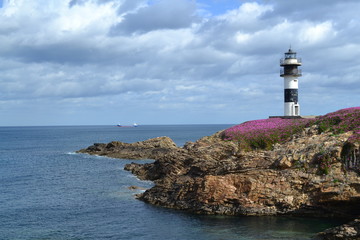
<point x="290" y="73"/>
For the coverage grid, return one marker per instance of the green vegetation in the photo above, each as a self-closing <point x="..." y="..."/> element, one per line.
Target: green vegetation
<point x="263" y="134"/>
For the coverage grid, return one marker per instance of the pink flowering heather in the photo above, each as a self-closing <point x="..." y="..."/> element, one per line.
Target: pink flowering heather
<point x="341" y="121"/>
<point x="264" y="133"/>
<point x="355" y="138"/>
<point x="344" y="120"/>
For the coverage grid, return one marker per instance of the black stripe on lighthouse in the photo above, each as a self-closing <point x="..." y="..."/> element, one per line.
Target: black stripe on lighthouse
<point x="291" y="95"/>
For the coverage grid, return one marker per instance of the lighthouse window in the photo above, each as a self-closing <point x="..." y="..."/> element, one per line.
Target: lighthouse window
<point x="295" y="80"/>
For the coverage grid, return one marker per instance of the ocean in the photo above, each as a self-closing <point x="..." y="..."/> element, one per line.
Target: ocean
<point x="48" y="192"/>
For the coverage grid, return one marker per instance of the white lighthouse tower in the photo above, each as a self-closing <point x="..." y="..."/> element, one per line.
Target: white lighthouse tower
<point x="290" y="73"/>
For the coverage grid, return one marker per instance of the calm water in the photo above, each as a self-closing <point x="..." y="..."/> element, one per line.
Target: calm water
<point x="49" y="192"/>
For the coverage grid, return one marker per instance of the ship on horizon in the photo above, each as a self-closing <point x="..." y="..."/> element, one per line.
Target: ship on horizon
<point x="134" y="125"/>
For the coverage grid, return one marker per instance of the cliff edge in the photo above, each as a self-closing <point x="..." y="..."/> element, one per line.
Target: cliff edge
<point x="266" y="167"/>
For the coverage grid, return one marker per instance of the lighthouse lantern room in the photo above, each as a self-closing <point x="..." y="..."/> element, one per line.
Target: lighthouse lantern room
<point x="290" y="73"/>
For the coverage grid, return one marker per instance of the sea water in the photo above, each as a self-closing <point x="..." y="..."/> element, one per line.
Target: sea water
<point x="47" y="191"/>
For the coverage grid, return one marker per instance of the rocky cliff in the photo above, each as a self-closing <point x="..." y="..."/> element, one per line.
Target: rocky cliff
<point x="315" y="171"/>
<point x="214" y="176"/>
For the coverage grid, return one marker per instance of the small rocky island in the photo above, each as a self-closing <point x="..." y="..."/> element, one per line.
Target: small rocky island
<point x="307" y="167"/>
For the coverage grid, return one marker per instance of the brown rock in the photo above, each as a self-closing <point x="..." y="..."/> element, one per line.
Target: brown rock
<point x="283" y="163"/>
<point x="346" y="231"/>
<point x="136" y="188"/>
<point x="213" y="176"/>
<point x="149" y="149"/>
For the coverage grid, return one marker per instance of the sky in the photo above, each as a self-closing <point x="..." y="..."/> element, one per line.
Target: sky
<point x="104" y="62"/>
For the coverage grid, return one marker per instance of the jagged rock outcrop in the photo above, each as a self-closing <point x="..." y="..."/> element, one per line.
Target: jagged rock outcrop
<point x="314" y="171"/>
<point x="215" y="177"/>
<point x="308" y="175"/>
<point x="348" y="231"/>
<point x="149" y="149"/>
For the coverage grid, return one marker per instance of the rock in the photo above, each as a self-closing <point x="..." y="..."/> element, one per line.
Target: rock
<point x="345" y="232"/>
<point x="136" y="188"/>
<point x="149" y="149"/>
<point x="213" y="176"/>
<point x="283" y="163"/>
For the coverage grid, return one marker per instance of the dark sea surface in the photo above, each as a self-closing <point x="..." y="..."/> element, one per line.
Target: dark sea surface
<point x="47" y="191"/>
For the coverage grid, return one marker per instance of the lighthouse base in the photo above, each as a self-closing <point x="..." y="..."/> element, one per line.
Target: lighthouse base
<point x="291" y="109"/>
<point x="286" y="117"/>
<point x="294" y="117"/>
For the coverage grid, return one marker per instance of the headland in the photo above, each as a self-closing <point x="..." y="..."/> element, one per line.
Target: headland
<point x="304" y="167"/>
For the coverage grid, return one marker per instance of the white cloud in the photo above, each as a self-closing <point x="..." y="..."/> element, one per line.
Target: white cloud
<point x="247" y="12"/>
<point x="242" y="38"/>
<point x="164" y="14"/>
<point x="313" y="34"/>
<point x="86" y="56"/>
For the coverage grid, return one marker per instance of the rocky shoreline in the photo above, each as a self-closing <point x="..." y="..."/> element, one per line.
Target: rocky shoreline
<point x="214" y="176"/>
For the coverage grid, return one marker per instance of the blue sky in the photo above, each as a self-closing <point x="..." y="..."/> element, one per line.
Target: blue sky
<point x="88" y="62"/>
<point x="216" y="7"/>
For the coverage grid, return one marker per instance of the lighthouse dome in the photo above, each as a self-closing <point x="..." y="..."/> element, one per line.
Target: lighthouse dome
<point x="290" y="54"/>
<point x="291" y="51"/>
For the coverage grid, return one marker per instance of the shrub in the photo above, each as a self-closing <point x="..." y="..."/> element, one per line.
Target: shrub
<point x="324" y="161"/>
